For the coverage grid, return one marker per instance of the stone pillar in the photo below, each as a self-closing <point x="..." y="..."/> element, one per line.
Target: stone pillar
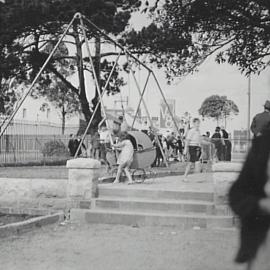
<point x="83" y="174"/>
<point x="224" y="174"/>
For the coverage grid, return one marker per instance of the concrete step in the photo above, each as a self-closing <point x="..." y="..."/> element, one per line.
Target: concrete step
<point x="154" y="194"/>
<point x="147" y="205"/>
<point x="105" y="216"/>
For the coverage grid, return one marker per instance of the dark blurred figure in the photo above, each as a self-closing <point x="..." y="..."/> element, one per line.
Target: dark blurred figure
<point x="179" y="148"/>
<point x="261" y="120"/>
<point x="216" y="139"/>
<point x="226" y="145"/>
<point x="159" y="158"/>
<point x="249" y="198"/>
<point x="71" y="145"/>
<point x="95" y="146"/>
<point x="77" y="142"/>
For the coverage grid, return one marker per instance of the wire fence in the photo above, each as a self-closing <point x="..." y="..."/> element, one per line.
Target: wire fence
<point x="36" y="149"/>
<point x="30" y="142"/>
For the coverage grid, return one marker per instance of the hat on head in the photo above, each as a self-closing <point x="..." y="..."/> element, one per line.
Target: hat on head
<point x="267" y="104"/>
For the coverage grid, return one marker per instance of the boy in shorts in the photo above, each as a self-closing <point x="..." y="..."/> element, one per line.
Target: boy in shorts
<point x="193" y="147"/>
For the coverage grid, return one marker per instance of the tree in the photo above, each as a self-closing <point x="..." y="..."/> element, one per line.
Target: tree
<point x="235" y="31"/>
<point x="42" y="22"/>
<point x="63" y="99"/>
<point x="218" y="107"/>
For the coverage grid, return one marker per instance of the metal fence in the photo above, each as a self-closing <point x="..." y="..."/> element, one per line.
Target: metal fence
<point x="15" y="149"/>
<point x="25" y="142"/>
<point x="24" y="127"/>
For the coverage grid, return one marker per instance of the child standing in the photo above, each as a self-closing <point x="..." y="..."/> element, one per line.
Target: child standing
<point x="125" y="157"/>
<point x="193" y="147"/>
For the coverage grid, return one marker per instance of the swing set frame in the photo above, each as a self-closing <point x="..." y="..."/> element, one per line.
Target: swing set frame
<point x="85" y="23"/>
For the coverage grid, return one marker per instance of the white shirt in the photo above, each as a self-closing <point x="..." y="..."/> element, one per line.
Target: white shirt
<point x="194" y="137"/>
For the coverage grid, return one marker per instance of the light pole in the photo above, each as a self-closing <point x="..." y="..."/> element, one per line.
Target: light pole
<point x="249" y="95"/>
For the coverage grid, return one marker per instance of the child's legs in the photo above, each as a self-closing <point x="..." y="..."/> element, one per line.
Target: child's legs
<point x="187" y="169"/>
<point x="119" y="171"/>
<point x="126" y="169"/>
<point x="197" y="168"/>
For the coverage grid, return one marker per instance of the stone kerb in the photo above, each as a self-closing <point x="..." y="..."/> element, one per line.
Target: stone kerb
<point x="83" y="174"/>
<point x="224" y="174"/>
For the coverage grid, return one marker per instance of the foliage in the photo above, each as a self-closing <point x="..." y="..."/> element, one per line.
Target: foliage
<point x="28" y="41"/>
<point x="186" y="32"/>
<point x="218" y="107"/>
<point x="54" y="148"/>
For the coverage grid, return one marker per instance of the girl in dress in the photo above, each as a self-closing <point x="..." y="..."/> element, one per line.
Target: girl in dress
<point x="125" y="157"/>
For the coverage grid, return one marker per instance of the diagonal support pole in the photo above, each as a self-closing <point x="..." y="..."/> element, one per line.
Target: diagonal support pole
<point x="96" y="108"/>
<point x="37" y="76"/>
<point x="95" y="75"/>
<point x="148" y="115"/>
<point x="141" y="97"/>
<point x="117" y="44"/>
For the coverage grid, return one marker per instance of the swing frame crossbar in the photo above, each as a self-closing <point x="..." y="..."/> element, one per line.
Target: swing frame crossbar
<point x="83" y="24"/>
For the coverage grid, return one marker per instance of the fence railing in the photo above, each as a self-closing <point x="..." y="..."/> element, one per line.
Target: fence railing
<point x="16" y="149"/>
<point x="24" y="127"/>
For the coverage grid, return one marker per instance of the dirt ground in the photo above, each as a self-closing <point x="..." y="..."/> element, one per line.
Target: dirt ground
<point x="49" y="172"/>
<point x="106" y="247"/>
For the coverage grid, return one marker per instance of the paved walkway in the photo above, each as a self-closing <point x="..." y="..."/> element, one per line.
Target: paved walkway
<point x="196" y="182"/>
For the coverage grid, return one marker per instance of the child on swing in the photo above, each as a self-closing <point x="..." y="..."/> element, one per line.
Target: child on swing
<point x="125" y="157"/>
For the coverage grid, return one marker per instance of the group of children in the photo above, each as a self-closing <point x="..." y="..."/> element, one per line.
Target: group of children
<point x="188" y="146"/>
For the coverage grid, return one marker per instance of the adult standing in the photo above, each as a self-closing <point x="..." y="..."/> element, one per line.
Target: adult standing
<point x="193" y="147"/>
<point x="226" y="145"/>
<point x="261" y="120"/>
<point x="216" y="139"/>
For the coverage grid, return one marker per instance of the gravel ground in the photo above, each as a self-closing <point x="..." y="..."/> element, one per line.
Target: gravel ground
<point x="105" y="247"/>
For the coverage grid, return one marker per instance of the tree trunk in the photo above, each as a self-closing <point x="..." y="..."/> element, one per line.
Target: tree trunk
<point x="95" y="100"/>
<point x="82" y="94"/>
<point x="63" y="120"/>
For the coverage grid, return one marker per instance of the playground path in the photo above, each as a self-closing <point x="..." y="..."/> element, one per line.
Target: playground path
<point x="61" y="172"/>
<point x="106" y="247"/>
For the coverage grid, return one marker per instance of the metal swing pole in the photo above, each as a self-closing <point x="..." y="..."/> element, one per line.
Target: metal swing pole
<point x="96" y="108"/>
<point x="164" y="99"/>
<point x="140" y="101"/>
<point x="148" y="115"/>
<point x="37" y="76"/>
<point x="95" y="75"/>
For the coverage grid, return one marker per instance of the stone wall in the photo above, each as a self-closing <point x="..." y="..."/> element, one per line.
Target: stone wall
<point x="41" y="193"/>
<point x="81" y="185"/>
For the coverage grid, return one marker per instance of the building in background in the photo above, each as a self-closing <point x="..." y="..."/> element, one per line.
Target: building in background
<point x="30" y="119"/>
